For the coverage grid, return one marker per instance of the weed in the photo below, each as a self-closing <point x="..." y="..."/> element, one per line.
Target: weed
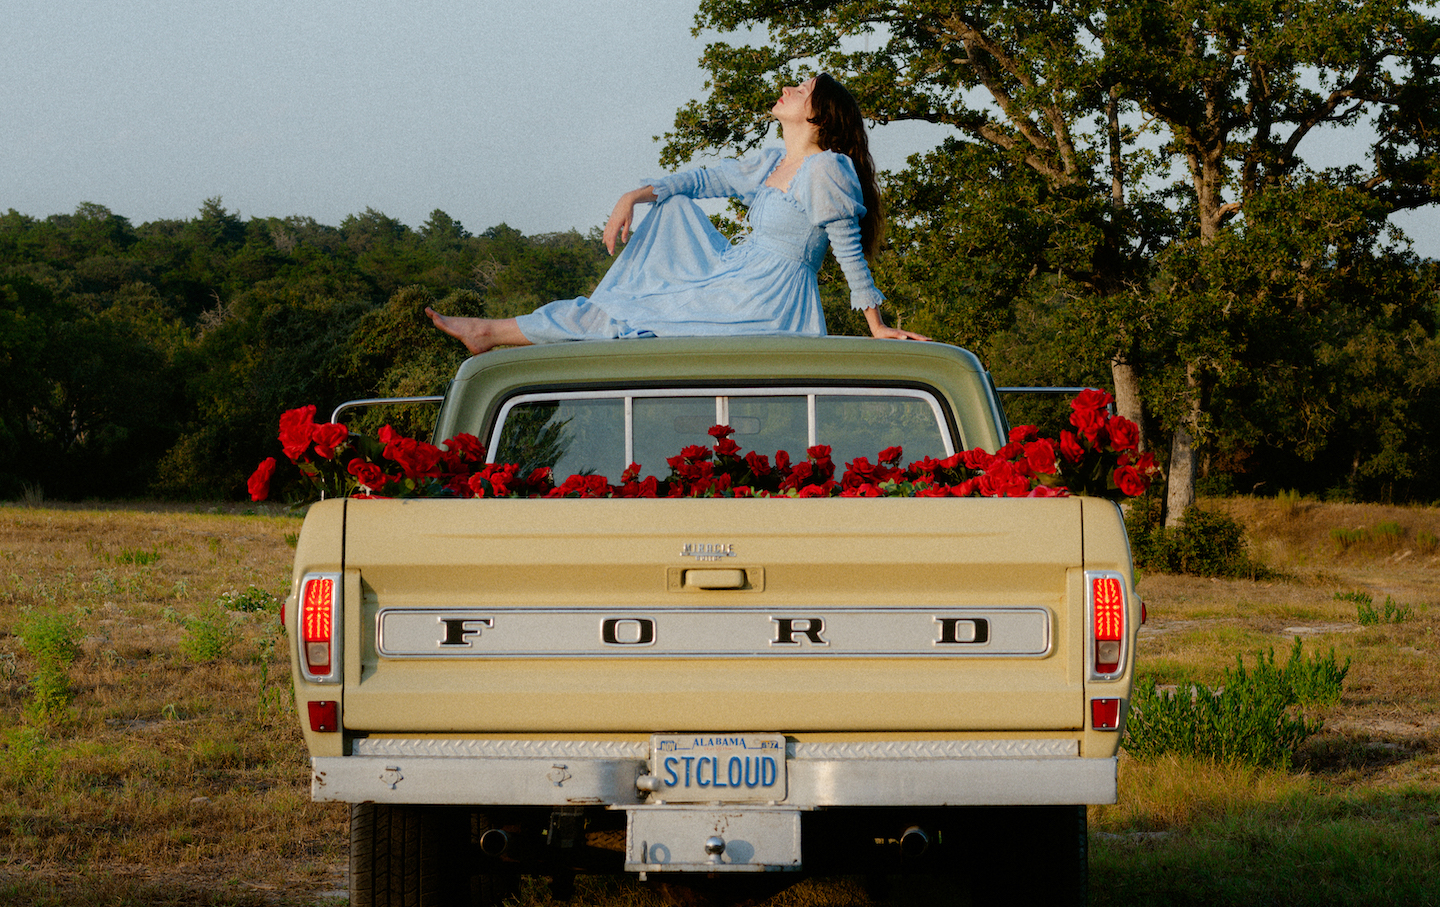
<point x="1248" y="719"/>
<point x="1345" y="539"/>
<point x="27" y="759"/>
<point x="1289" y="502"/>
<point x="137" y="557"/>
<point x="1426" y="542"/>
<point x="51" y="638"/>
<point x="1315" y="680"/>
<point x="1389" y="533"/>
<point x="210" y="634"/>
<point x="31" y="495"/>
<point x="1368" y="615"/>
<point x="292" y="539"/>
<point x="252" y="600"/>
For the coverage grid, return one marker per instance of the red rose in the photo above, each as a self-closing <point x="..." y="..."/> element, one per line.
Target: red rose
<point x="891" y="456"/>
<point x="1024" y="433"/>
<point x="367" y="474"/>
<point x="727" y="448"/>
<point x="694" y="453"/>
<point x="1070" y="447"/>
<point x="758" y="464"/>
<point x="1129" y="481"/>
<point x="467" y="447"/>
<point x="259" y="483"/>
<point x="720" y="431"/>
<point x="328" y="437"/>
<point x="1146" y="465"/>
<point x="1124" y="434"/>
<point x="416" y="458"/>
<point x="1092" y="399"/>
<point x="297" y="427"/>
<point x="1041" y="456"/>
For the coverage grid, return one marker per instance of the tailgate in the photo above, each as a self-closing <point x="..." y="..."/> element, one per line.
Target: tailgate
<point x="582" y="616"/>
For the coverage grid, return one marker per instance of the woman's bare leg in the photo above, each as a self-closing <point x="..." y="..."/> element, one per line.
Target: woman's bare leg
<point x="479" y="334"/>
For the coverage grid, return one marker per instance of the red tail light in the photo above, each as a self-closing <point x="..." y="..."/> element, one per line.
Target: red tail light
<point x="1106" y="594"/>
<point x="1104" y="714"/>
<point x="324" y="716"/>
<point x="319" y="627"/>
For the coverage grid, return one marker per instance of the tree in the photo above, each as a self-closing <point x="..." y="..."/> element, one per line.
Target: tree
<point x="1110" y="145"/>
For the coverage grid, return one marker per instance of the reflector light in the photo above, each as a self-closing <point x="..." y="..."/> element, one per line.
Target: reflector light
<point x="1104" y="714"/>
<point x="1107" y="597"/>
<point x="324" y="716"/>
<point x="319" y="635"/>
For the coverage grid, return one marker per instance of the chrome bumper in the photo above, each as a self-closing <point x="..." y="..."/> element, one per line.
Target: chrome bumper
<point x="570" y="773"/>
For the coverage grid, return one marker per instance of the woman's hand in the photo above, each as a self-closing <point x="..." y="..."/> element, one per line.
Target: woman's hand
<point x="879" y="329"/>
<point x="617" y="228"/>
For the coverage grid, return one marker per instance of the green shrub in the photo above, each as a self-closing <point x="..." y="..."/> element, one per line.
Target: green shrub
<point x="1315" y="680"/>
<point x="210" y="634"/>
<point x="52" y="639"/>
<point x="1207" y="543"/>
<point x="1368" y="615"/>
<point x="1250" y="718"/>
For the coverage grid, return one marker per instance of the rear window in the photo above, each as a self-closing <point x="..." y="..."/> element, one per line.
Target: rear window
<point x="605" y="431"/>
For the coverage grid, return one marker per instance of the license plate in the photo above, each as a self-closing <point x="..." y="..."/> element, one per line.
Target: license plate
<point x="700" y="768"/>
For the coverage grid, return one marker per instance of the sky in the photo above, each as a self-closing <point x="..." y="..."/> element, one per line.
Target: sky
<point x="533" y="113"/>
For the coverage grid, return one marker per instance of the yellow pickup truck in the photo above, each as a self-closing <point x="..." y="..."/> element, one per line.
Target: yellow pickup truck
<point x="692" y="688"/>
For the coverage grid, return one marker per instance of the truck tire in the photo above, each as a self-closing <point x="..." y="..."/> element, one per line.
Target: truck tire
<point x="412" y="856"/>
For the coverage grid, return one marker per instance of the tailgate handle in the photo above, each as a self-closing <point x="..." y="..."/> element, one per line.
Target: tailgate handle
<point x="715" y="579"/>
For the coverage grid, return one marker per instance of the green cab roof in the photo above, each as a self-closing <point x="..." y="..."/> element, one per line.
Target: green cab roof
<point x="484" y="382"/>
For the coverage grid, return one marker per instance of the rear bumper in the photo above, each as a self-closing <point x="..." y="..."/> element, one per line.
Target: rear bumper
<point x="570" y="773"/>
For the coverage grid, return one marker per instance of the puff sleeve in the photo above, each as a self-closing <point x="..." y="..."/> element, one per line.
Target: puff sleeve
<point x="830" y="192"/>
<point x="731" y="178"/>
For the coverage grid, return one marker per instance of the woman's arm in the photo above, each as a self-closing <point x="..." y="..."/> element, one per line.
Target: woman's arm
<point x="623" y="217"/>
<point x="878" y="328"/>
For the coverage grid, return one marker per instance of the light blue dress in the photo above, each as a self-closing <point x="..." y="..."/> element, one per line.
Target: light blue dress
<point x="679" y="276"/>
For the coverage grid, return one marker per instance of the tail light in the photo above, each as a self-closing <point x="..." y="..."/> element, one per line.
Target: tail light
<point x="1105" y="714"/>
<point x="1105" y="594"/>
<point x="319" y="628"/>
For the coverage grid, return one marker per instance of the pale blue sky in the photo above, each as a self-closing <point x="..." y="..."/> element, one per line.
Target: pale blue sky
<point x="536" y="113"/>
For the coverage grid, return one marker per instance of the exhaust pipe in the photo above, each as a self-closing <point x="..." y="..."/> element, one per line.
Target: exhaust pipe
<point x="494" y="842"/>
<point x="914" y="842"/>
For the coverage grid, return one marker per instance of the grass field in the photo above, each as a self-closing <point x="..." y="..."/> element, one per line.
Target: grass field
<point x="150" y="754"/>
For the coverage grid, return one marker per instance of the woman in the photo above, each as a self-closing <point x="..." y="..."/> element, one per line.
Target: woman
<point x="678" y="276"/>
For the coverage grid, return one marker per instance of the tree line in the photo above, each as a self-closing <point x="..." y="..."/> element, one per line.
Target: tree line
<point x="155" y="360"/>
<point x="1123" y="199"/>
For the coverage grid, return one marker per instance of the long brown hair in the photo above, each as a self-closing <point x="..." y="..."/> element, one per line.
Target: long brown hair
<point x="840" y="127"/>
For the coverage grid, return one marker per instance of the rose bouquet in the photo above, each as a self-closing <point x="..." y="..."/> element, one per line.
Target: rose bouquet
<point x="1099" y="458"/>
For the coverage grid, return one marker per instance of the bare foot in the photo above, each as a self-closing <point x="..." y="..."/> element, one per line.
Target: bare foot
<point x="478" y="334"/>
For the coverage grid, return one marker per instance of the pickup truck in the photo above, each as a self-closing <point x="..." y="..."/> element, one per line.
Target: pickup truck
<point x="704" y="688"/>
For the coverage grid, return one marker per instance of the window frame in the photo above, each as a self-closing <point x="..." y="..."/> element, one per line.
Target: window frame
<point x="722" y="395"/>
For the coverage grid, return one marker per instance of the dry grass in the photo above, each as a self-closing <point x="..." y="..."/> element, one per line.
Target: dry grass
<point x="171" y="780"/>
<point x="167" y="779"/>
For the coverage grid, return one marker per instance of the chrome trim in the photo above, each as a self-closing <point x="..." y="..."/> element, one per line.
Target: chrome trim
<point x="1054" y="748"/>
<point x="1125" y="631"/>
<point x="503" y="749"/>
<point x="381" y="401"/>
<point x="691" y="631"/>
<point x="337" y="630"/>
